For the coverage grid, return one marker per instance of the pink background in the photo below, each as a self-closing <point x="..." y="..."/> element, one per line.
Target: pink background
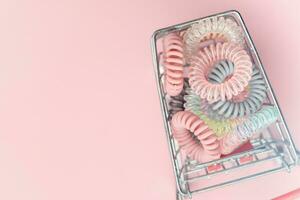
<point x="79" y="110"/>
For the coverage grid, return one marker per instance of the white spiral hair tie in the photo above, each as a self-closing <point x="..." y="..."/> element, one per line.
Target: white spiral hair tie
<point x="211" y="30"/>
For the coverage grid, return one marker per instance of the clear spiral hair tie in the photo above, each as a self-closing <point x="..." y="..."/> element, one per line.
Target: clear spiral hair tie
<point x="214" y="29"/>
<point x="173" y="61"/>
<point x="204" y="61"/>
<point x="194" y="137"/>
<point x="243" y="104"/>
<point x="201" y="108"/>
<point x="244" y="131"/>
<point x="256" y="122"/>
<point x="197" y="105"/>
<point x="192" y="101"/>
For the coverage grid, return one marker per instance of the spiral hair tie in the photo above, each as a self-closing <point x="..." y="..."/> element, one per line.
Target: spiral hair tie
<point x="201" y="108"/>
<point x="176" y="102"/>
<point x="251" y="100"/>
<point x="214" y="29"/>
<point x="229" y="143"/>
<point x="256" y="122"/>
<point x="204" y="61"/>
<point x="173" y="63"/>
<point x="194" y="103"/>
<point x="244" y="131"/>
<point x="201" y="145"/>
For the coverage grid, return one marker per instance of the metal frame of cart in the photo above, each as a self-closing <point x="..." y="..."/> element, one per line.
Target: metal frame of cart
<point x="279" y="150"/>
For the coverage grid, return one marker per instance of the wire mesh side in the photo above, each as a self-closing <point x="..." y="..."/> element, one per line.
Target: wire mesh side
<point x="282" y="151"/>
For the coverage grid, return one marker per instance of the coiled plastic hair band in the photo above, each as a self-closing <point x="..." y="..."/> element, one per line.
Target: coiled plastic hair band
<point x="245" y="103"/>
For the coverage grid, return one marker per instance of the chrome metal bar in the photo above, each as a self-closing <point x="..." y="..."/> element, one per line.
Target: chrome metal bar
<point x="223" y="166"/>
<point x="279" y="129"/>
<point x="206" y="172"/>
<point x="240" y="166"/>
<point x="163" y="107"/>
<point x="237" y="163"/>
<point x="239" y="155"/>
<point x="268" y="84"/>
<point x="255" y="156"/>
<point x="187" y="185"/>
<point x="238" y="180"/>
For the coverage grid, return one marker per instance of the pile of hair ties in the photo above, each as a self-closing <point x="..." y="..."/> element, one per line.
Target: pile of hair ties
<point x="215" y="93"/>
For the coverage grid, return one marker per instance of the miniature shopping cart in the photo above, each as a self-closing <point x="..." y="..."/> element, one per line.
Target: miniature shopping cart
<point x="272" y="151"/>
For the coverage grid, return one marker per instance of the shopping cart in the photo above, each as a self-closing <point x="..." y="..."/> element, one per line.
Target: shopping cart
<point x="271" y="152"/>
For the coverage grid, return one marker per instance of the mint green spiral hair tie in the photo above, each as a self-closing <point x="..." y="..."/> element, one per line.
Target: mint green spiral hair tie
<point x="263" y="118"/>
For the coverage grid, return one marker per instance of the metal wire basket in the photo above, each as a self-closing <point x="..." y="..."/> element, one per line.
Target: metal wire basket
<point x="272" y="151"/>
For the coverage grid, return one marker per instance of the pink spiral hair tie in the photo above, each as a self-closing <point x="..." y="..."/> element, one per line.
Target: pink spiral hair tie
<point x="205" y="147"/>
<point x="173" y="62"/>
<point x="204" y="62"/>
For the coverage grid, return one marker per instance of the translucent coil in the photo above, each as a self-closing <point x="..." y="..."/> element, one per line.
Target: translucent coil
<point x="173" y="61"/>
<point x="194" y="103"/>
<point x="211" y="30"/>
<point x="229" y="143"/>
<point x="244" y="103"/>
<point x="195" y="138"/>
<point x="244" y="131"/>
<point x="202" y="64"/>
<point x="256" y="122"/>
<point x="201" y="108"/>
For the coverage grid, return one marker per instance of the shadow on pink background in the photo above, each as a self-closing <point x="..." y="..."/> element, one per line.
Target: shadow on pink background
<point x="79" y="110"/>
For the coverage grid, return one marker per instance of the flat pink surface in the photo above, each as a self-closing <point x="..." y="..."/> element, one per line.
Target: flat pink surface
<point x="79" y="110"/>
